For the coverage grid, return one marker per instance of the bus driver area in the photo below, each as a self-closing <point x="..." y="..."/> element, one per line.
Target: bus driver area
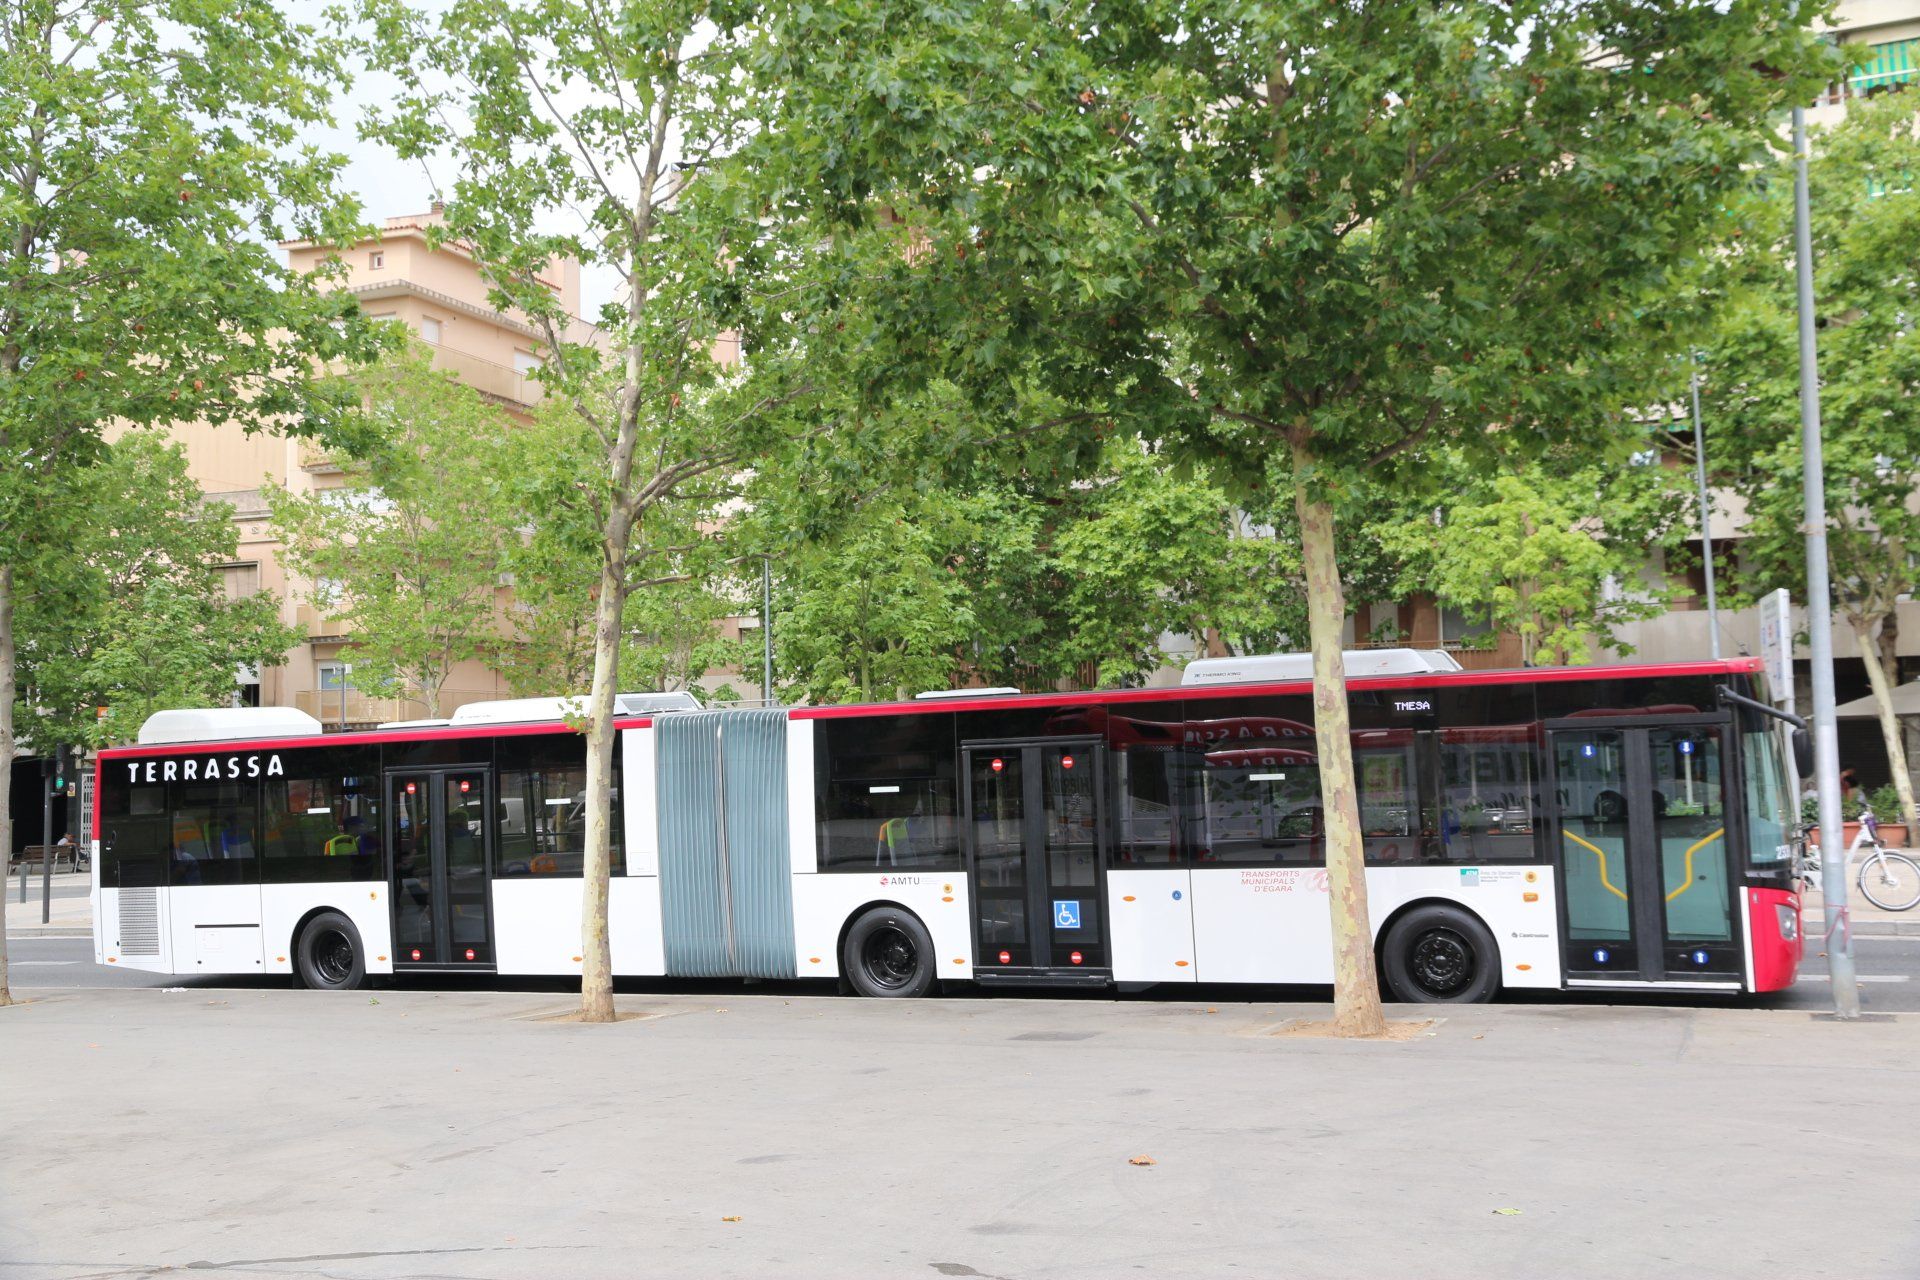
<point x="1619" y="828"/>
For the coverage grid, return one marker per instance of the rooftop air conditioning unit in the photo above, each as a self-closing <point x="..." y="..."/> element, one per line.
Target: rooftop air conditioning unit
<point x="1276" y="667"/>
<point x="228" y="724"/>
<point x="995" y="692"/>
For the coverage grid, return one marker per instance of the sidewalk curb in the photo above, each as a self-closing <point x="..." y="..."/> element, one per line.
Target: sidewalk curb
<point x="1816" y="928"/>
<point x="48" y="931"/>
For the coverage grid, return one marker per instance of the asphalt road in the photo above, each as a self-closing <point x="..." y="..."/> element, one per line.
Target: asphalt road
<point x="1889" y="971"/>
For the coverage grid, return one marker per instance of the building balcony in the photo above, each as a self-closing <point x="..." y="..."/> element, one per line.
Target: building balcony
<point x="497" y="382"/>
<point x="320" y="624"/>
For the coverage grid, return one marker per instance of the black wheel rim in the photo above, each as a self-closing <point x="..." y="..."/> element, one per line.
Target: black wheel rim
<point x="1441" y="962"/>
<point x="889" y="957"/>
<point x="333" y="957"/>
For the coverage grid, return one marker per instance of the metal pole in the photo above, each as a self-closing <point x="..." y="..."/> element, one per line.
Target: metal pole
<point x="1706" y="515"/>
<point x="47" y="773"/>
<point x="766" y="628"/>
<point x="1826" y="760"/>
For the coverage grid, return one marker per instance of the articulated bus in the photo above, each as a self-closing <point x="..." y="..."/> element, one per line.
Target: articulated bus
<point x="1620" y="828"/>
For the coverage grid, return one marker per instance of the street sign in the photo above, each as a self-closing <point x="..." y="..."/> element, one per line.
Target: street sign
<point x="1776" y="645"/>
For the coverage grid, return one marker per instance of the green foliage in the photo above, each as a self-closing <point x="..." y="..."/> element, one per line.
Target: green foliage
<point x="1231" y="227"/>
<point x="1543" y="552"/>
<point x="1865" y="222"/>
<point x="122" y="604"/>
<point x="411" y="547"/>
<point x="147" y="164"/>
<point x="881" y="610"/>
<point x="1016" y="580"/>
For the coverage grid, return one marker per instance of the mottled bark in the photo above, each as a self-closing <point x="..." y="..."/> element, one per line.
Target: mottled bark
<point x="596" y="952"/>
<point x="1356" y="988"/>
<point x="1889" y="729"/>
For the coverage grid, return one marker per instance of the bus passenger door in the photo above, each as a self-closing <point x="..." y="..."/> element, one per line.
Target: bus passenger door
<point x="1646" y="880"/>
<point x="1035" y="847"/>
<point x="437" y="831"/>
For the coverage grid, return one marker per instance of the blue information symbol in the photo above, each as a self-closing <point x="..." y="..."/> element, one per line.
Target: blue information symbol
<point x="1600" y="955"/>
<point x="1586" y="749"/>
<point x="1066" y="913"/>
<point x="1701" y="957"/>
<point x="1686" y="747"/>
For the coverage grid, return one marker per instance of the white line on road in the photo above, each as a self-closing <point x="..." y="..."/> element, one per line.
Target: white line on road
<point x="22" y="964"/>
<point x="1862" y="977"/>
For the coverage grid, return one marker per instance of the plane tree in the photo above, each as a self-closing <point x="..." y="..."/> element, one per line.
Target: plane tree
<point x="1302" y="243"/>
<point x="148" y="163"/>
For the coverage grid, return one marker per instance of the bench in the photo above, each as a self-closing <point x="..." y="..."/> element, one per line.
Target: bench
<point x="74" y="855"/>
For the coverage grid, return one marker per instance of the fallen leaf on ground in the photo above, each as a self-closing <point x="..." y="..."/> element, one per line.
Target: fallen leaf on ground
<point x="1508" y="1213"/>
<point x="1142" y="1160"/>
<point x="731" y="1218"/>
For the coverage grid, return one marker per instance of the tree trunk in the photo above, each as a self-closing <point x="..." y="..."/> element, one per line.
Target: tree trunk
<point x="596" y="952"/>
<point x="7" y="678"/>
<point x="1889" y="726"/>
<point x="1356" y="989"/>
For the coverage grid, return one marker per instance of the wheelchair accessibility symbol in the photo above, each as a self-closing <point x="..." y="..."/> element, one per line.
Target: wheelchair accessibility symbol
<point x="1066" y="913"/>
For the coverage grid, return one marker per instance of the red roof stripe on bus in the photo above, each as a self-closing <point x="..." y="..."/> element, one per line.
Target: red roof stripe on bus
<point x="1529" y="675"/>
<point x="360" y="738"/>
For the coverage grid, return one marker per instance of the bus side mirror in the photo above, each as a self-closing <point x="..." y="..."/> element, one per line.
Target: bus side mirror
<point x="1803" y="752"/>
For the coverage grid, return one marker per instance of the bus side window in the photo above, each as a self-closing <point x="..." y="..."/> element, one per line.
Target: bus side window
<point x="1489" y="795"/>
<point x="1148" y="785"/>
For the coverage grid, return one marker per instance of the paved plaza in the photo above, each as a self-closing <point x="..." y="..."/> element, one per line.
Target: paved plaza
<point x="456" y="1133"/>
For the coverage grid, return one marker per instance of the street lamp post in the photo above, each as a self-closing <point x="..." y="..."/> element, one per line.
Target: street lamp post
<point x="1826" y="762"/>
<point x="1706" y="511"/>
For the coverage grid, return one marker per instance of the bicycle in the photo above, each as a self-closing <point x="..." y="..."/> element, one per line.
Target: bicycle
<point x="1890" y="881"/>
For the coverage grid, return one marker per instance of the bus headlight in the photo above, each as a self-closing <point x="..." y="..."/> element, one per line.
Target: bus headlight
<point x="1789" y="921"/>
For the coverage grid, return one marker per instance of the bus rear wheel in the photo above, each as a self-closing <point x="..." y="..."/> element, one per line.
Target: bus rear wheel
<point x="1440" y="955"/>
<point x="329" y="956"/>
<point x="888" y="953"/>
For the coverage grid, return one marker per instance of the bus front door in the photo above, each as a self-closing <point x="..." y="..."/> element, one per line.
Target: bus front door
<point x="1036" y="840"/>
<point x="1647" y="888"/>
<point x="437" y="831"/>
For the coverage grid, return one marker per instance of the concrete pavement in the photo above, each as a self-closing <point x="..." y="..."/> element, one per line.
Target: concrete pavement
<point x="72" y="910"/>
<point x="455" y="1133"/>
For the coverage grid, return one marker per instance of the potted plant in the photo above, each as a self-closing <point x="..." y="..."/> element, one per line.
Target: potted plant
<point x="1885" y="803"/>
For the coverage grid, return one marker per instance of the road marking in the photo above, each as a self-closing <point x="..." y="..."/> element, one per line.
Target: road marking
<point x="23" y="964"/>
<point x="1859" y="977"/>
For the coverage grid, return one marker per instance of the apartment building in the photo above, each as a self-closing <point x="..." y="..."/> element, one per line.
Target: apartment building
<point x="438" y="293"/>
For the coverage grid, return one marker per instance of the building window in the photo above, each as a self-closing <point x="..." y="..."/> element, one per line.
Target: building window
<point x="376" y="261"/>
<point x="1460" y="629"/>
<point x="336" y="676"/>
<point x="240" y="580"/>
<point x="526" y="364"/>
<point x="430" y="330"/>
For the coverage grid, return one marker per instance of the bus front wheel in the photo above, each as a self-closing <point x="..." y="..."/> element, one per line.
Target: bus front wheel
<point x="1440" y="955"/>
<point x="888" y="952"/>
<point x="329" y="956"/>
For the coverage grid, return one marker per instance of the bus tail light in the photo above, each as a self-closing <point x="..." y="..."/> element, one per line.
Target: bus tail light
<point x="1789" y="921"/>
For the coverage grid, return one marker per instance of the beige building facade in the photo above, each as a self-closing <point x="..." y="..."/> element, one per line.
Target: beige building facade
<point x="438" y="293"/>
